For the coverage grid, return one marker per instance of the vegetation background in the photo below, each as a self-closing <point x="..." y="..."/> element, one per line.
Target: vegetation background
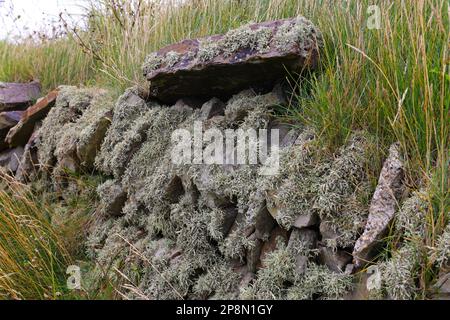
<point x="393" y="82"/>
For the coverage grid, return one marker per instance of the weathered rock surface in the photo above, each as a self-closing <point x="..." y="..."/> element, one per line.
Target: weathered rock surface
<point x="10" y="159"/>
<point x="29" y="163"/>
<point x="14" y="96"/>
<point x="336" y="260"/>
<point x="8" y="119"/>
<point x="221" y="65"/>
<point x="19" y="134"/>
<point x="383" y="206"/>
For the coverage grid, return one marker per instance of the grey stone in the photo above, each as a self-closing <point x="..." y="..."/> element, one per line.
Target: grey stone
<point x="212" y="108"/>
<point x="264" y="222"/>
<point x="383" y="206"/>
<point x="306" y="220"/>
<point x="335" y="260"/>
<point x="10" y="159"/>
<point x="254" y="253"/>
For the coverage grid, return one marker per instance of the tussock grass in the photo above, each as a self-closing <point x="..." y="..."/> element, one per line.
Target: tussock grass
<point x="32" y="259"/>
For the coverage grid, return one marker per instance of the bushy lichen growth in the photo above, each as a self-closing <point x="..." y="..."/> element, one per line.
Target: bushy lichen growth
<point x="442" y="250"/>
<point x="126" y="133"/>
<point x="208" y="213"/>
<point x="411" y="218"/>
<point x="74" y="129"/>
<point x="300" y="33"/>
<point x="279" y="279"/>
<point x="320" y="281"/>
<point x="399" y="274"/>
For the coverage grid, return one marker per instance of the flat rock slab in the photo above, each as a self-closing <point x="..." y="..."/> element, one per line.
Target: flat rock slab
<point x="21" y="133"/>
<point x="18" y="95"/>
<point x="255" y="55"/>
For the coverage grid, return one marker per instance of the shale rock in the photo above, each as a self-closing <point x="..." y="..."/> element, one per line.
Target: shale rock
<point x="254" y="55"/>
<point x="8" y="119"/>
<point x="10" y="159"/>
<point x="336" y="260"/>
<point x="383" y="206"/>
<point x="20" y="134"/>
<point x="29" y="163"/>
<point x="15" y="96"/>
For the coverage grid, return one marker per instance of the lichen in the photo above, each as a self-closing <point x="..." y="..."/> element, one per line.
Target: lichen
<point x="300" y="33"/>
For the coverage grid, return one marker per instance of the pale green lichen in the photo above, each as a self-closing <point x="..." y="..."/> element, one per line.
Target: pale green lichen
<point x="195" y="225"/>
<point x="442" y="250"/>
<point x="299" y="33"/>
<point x="411" y="218"/>
<point x="126" y="133"/>
<point x="400" y="272"/>
<point x="74" y="129"/>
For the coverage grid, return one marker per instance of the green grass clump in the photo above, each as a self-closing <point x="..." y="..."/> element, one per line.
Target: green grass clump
<point x="33" y="259"/>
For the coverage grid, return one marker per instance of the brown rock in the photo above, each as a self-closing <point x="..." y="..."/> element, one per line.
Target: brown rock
<point x="254" y="253"/>
<point x="20" y="134"/>
<point x="15" y="96"/>
<point x="221" y="65"/>
<point x="264" y="222"/>
<point x="112" y="198"/>
<point x="88" y="149"/>
<point x="383" y="206"/>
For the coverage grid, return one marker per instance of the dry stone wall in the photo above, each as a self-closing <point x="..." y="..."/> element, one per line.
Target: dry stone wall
<point x="197" y="231"/>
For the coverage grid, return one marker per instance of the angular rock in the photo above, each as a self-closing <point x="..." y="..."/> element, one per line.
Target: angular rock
<point x="254" y="55"/>
<point x="212" y="108"/>
<point x="88" y="148"/>
<point x="8" y="119"/>
<point x="383" y="206"/>
<point x="304" y="239"/>
<point x="335" y="260"/>
<point x="327" y="232"/>
<point x="254" y="253"/>
<point x="442" y="287"/>
<point x="306" y="220"/>
<point x="112" y="198"/>
<point x="278" y="234"/>
<point x="15" y="96"/>
<point x="10" y="159"/>
<point x="29" y="161"/>
<point x="264" y="223"/>
<point x="19" y="134"/>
